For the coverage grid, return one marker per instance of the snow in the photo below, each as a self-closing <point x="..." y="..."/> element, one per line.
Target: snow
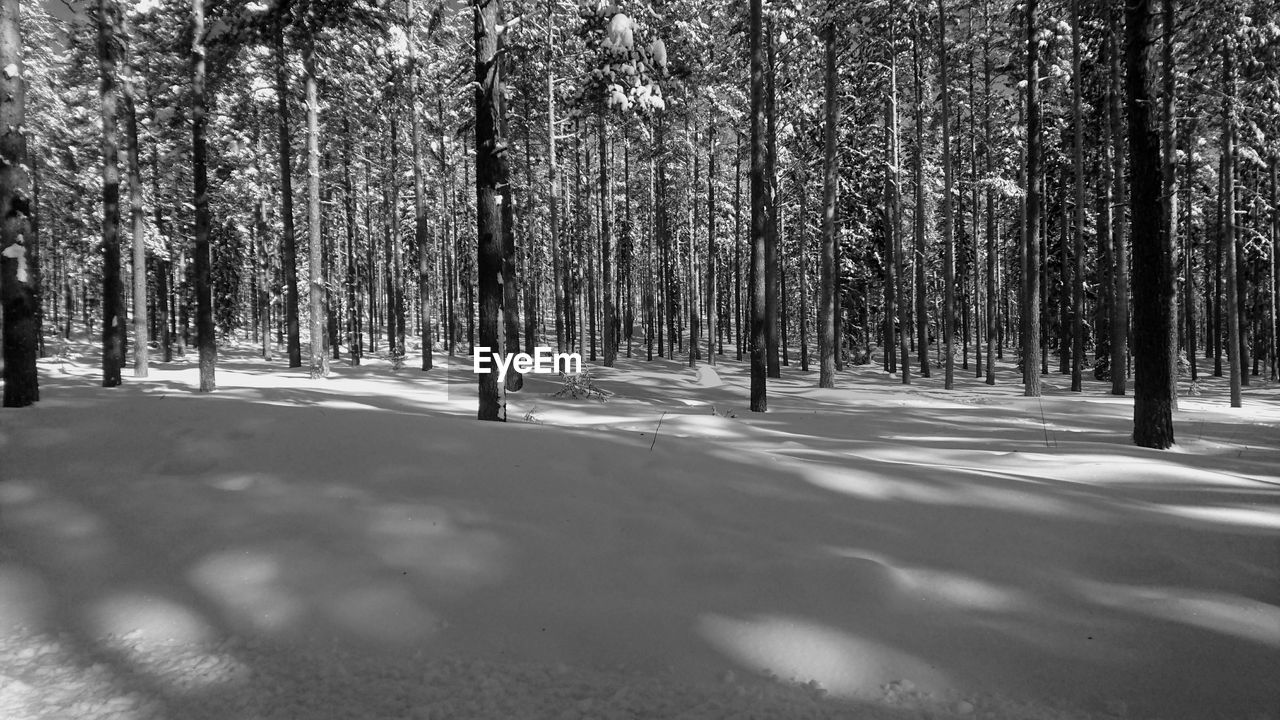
<point x="361" y="547"/>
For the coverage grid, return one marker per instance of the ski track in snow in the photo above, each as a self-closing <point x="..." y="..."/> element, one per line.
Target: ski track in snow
<point x="360" y="547"/>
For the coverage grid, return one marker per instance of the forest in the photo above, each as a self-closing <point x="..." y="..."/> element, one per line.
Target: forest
<point x="1088" y="188"/>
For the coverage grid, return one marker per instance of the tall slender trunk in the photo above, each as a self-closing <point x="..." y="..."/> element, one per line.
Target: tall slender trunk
<point x="606" y="245"/>
<point x="1077" y="284"/>
<point x="510" y="291"/>
<point x="1152" y="259"/>
<point x="113" y="339"/>
<point x="421" y="234"/>
<point x="917" y="172"/>
<point x="1031" y="232"/>
<point x="553" y="180"/>
<point x="771" y="201"/>
<point x="489" y="181"/>
<point x="993" y="308"/>
<point x="760" y="211"/>
<point x="831" y="173"/>
<point x="1119" y="203"/>
<point x="137" y="224"/>
<point x="288" y="246"/>
<point x="1169" y="181"/>
<point x="319" y="356"/>
<point x="205" y="338"/>
<point x="1272" y="287"/>
<point x="948" y="213"/>
<point x="354" y="349"/>
<point x="712" y="326"/>
<point x="19" y="296"/>
<point x="1229" y="219"/>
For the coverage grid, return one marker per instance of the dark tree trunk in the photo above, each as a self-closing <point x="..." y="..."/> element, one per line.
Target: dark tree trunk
<point x="18" y="293"/>
<point x="1169" y="181"/>
<point x="288" y="247"/>
<point x="948" y="214"/>
<point x="831" y="170"/>
<point x="1119" y="203"/>
<point x="421" y="236"/>
<point x="489" y="181"/>
<point x="606" y="246"/>
<point x="113" y="315"/>
<point x="917" y="172"/>
<point x="760" y="211"/>
<point x="1152" y="259"/>
<point x="993" y="308"/>
<point x="1031" y="229"/>
<point x="712" y="326"/>
<point x="1229" y="221"/>
<point x="1077" y="276"/>
<point x="771" y="202"/>
<point x="205" y="339"/>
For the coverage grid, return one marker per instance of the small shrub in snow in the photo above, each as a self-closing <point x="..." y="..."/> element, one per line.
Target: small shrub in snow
<point x="582" y="385"/>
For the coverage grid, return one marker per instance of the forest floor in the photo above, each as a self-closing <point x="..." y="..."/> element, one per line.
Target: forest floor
<point x="361" y="547"/>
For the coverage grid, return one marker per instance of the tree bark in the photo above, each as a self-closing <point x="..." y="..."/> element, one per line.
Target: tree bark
<point x="917" y="172"/>
<point x="1077" y="284"/>
<point x="288" y="246"/>
<point x="948" y="213"/>
<point x="1229" y="220"/>
<point x="421" y="235"/>
<point x="1031" y="229"/>
<point x="1120" y="256"/>
<point x="830" y="177"/>
<point x="489" y="181"/>
<point x="18" y="294"/>
<point x="137" y="225"/>
<point x="1152" y="261"/>
<point x="113" y="339"/>
<point x="760" y="211"/>
<point x="771" y="201"/>
<point x="205" y="331"/>
<point x="1169" y="180"/>
<point x="319" y="356"/>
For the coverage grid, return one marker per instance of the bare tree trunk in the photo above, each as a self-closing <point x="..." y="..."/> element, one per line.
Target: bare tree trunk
<point x="113" y="340"/>
<point x="1077" y="285"/>
<point x="489" y="181"/>
<point x="948" y="213"/>
<point x="1031" y="232"/>
<point x="1169" y="180"/>
<point x="421" y="236"/>
<point x="1229" y="220"/>
<point x="917" y="171"/>
<point x="205" y="331"/>
<point x="760" y="211"/>
<point x="712" y="327"/>
<point x="18" y="293"/>
<point x="1152" y="259"/>
<point x="319" y="357"/>
<point x="826" y="282"/>
<point x="1120" y="273"/>
<point x="137" y="225"/>
<point x="771" y="201"/>
<point x="288" y="246"/>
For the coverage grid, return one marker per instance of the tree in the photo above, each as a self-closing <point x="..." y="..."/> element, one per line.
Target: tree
<point x="113" y="331"/>
<point x="489" y="181"/>
<point x="1228" y="239"/>
<point x="1152" y="261"/>
<point x="205" y="338"/>
<point x="830" y="175"/>
<point x="760" y="211"/>
<point x="948" y="213"/>
<point x="1031" y="227"/>
<point x="17" y="278"/>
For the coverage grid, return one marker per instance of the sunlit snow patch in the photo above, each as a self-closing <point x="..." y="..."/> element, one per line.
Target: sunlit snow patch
<point x="843" y="664"/>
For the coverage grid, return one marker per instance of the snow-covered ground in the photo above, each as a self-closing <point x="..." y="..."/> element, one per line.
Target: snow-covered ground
<point x="361" y="547"/>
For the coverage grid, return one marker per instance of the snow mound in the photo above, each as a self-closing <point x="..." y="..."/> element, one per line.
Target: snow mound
<point x="706" y="376"/>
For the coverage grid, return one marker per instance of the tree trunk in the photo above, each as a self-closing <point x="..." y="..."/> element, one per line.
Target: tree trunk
<point x="1077" y="284"/>
<point x="1120" y="272"/>
<point x="421" y="236"/>
<point x="205" y="338"/>
<point x="137" y="225"/>
<point x="113" y="319"/>
<point x="1031" y="230"/>
<point x="771" y="201"/>
<point x="948" y="213"/>
<point x="319" y="357"/>
<point x="1169" y="191"/>
<point x="489" y="181"/>
<point x="1229" y="219"/>
<point x="830" y="163"/>
<point x="510" y="293"/>
<point x="18" y="293"/>
<point x="1152" y="261"/>
<point x="712" y="327"/>
<point x="288" y="246"/>
<point x="760" y="211"/>
<point x="917" y="171"/>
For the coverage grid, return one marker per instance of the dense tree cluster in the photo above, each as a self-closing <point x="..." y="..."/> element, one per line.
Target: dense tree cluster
<point x="1090" y="186"/>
